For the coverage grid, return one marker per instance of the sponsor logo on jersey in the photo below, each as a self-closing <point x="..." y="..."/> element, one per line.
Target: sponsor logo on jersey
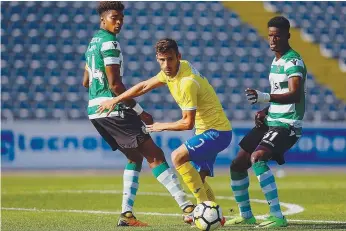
<point x="278" y="69"/>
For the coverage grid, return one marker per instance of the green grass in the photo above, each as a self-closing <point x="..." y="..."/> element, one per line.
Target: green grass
<point x="322" y="195"/>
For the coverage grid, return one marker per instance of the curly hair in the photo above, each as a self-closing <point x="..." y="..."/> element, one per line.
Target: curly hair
<point x="279" y="22"/>
<point x="110" y="5"/>
<point x="164" y="45"/>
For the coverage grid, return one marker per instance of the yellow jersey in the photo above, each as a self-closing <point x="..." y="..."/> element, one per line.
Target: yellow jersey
<point x="192" y="91"/>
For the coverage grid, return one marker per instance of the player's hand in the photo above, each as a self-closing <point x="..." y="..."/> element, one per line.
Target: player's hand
<point x="259" y="118"/>
<point x="251" y="95"/>
<point x="155" y="127"/>
<point x="107" y="105"/>
<point x="254" y="96"/>
<point x="146" y="118"/>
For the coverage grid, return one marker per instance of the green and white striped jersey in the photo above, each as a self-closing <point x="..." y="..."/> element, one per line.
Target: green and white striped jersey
<point x="103" y="50"/>
<point x="289" y="65"/>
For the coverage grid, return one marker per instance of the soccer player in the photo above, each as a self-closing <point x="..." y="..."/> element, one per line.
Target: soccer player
<point x="200" y="107"/>
<point x="123" y="129"/>
<point x="278" y="127"/>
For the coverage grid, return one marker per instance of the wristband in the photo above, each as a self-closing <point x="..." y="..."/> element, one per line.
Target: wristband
<point x="262" y="97"/>
<point x="138" y="109"/>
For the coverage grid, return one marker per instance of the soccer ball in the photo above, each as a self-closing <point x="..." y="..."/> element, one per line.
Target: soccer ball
<point x="208" y="216"/>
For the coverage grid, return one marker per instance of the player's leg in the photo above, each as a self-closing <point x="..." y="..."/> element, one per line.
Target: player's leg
<point x="204" y="173"/>
<point x="273" y="145"/>
<point x="239" y="176"/>
<point x="240" y="186"/>
<point x="192" y="179"/>
<point x="129" y="132"/>
<point x="130" y="176"/>
<point x="194" y="160"/>
<point x="266" y="179"/>
<point x="189" y="174"/>
<point x="130" y="188"/>
<point x="131" y="180"/>
<point x="164" y="174"/>
<point x="209" y="191"/>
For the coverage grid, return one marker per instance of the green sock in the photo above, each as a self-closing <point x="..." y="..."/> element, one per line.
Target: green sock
<point x="240" y="184"/>
<point x="131" y="183"/>
<point x="167" y="178"/>
<point x="268" y="186"/>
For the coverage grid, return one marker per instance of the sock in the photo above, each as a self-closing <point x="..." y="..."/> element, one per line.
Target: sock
<point x="268" y="185"/>
<point x="209" y="191"/>
<point x="240" y="185"/>
<point x="193" y="181"/>
<point x="167" y="178"/>
<point x="131" y="174"/>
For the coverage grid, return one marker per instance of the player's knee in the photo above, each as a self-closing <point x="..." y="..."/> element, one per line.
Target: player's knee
<point x="179" y="158"/>
<point x="152" y="153"/>
<point x="156" y="158"/>
<point x="240" y="165"/>
<point x="258" y="156"/>
<point x="159" y="155"/>
<point x="135" y="159"/>
<point x="241" y="162"/>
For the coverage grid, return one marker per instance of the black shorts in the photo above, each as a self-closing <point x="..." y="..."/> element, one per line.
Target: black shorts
<point x="276" y="139"/>
<point x="125" y="131"/>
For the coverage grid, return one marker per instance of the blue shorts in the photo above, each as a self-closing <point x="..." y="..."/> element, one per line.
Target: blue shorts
<point x="203" y="148"/>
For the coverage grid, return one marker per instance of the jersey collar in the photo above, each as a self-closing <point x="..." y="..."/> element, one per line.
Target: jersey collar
<point x="282" y="55"/>
<point x="108" y="32"/>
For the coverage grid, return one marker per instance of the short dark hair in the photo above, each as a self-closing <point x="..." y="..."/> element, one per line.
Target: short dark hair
<point x="279" y="22"/>
<point x="164" y="45"/>
<point x="110" y="5"/>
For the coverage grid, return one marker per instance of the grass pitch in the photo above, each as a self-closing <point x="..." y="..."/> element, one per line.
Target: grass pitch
<point x="80" y="202"/>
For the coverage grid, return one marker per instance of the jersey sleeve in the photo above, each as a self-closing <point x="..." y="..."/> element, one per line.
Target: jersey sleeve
<point x="294" y="67"/>
<point x="161" y="77"/>
<point x="111" y="51"/>
<point x="189" y="89"/>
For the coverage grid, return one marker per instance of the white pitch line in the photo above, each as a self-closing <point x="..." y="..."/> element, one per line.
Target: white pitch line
<point x="291" y="208"/>
<point x="141" y="213"/>
<point x="318" y="221"/>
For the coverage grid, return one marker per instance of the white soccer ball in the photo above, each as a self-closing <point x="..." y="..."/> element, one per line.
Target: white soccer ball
<point x="208" y="216"/>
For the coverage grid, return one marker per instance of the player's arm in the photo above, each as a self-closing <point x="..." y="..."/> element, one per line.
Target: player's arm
<point x="135" y="91"/>
<point x="86" y="78"/>
<point x="188" y="104"/>
<point x="294" y="71"/>
<point x="116" y="84"/>
<point x="111" y="54"/>
<point x="139" y="89"/>
<point x="293" y="96"/>
<point x="260" y="116"/>
<point x="187" y="122"/>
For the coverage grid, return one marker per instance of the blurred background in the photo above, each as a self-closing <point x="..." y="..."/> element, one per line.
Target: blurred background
<point x="43" y="103"/>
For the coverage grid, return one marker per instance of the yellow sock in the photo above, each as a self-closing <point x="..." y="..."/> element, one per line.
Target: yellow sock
<point x="209" y="191"/>
<point x="193" y="181"/>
